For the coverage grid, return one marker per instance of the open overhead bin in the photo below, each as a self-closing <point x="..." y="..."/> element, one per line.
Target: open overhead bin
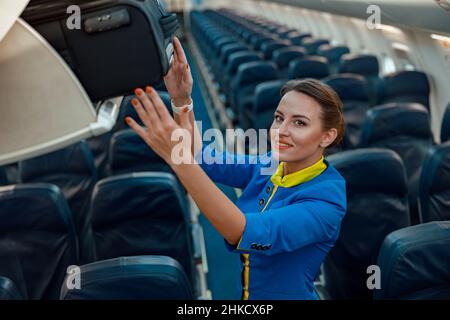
<point x="43" y="106"/>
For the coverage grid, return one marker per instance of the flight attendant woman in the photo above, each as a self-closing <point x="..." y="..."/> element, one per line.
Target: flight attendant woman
<point x="284" y="224"/>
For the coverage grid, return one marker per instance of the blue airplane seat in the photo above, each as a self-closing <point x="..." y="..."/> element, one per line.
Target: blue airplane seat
<point x="377" y="204"/>
<point x="257" y="40"/>
<point x="311" y="45"/>
<point x="225" y="53"/>
<point x="283" y="56"/>
<point x="221" y="64"/>
<point x="268" y="47"/>
<point x="363" y="64"/>
<point x="406" y="86"/>
<point x="284" y="32"/>
<point x="234" y="61"/>
<point x="404" y="128"/>
<point x="352" y="89"/>
<point x="131" y="278"/>
<point x="248" y="76"/>
<point x="100" y="145"/>
<point x="308" y="67"/>
<point x="142" y="213"/>
<point x="415" y="263"/>
<point x="266" y="100"/>
<point x="367" y="66"/>
<point x="218" y="43"/>
<point x="434" y="190"/>
<point x="127" y="110"/>
<point x="296" y="38"/>
<point x="38" y="240"/>
<point x="73" y="170"/>
<point x="129" y="153"/>
<point x="8" y="290"/>
<point x="445" y="126"/>
<point x="333" y="54"/>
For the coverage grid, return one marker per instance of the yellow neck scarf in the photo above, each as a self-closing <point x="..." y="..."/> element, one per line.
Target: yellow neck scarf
<point x="297" y="177"/>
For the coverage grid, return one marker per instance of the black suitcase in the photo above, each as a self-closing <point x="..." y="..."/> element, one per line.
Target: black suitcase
<point x="121" y="45"/>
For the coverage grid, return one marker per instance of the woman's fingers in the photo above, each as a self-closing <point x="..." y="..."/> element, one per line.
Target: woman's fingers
<point x="140" y="111"/>
<point x="152" y="115"/>
<point x="159" y="106"/>
<point x="137" y="128"/>
<point x="179" y="51"/>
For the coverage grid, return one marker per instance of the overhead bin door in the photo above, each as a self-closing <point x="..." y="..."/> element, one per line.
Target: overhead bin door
<point x="43" y="107"/>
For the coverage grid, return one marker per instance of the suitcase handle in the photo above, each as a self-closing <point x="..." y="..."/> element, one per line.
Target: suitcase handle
<point x="106" y="21"/>
<point x="169" y="24"/>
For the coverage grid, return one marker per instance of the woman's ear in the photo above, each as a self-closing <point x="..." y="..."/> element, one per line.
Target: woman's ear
<point x="328" y="137"/>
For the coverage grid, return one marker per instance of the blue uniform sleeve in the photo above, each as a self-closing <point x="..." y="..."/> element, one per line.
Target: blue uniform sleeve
<point x="289" y="228"/>
<point x="234" y="170"/>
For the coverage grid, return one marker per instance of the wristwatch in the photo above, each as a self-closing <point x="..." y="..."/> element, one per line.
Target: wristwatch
<point x="178" y="109"/>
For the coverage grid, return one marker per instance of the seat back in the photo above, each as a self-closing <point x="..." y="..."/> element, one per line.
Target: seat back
<point x="445" y="127"/>
<point x="333" y="54"/>
<point x="406" y="86"/>
<point x="377" y="204"/>
<point x="228" y="49"/>
<point x="127" y="110"/>
<point x="349" y="87"/>
<point x="131" y="278"/>
<point x="404" y="128"/>
<point x="283" y="56"/>
<point x="309" y="67"/>
<point x="353" y="91"/>
<point x="129" y="153"/>
<point x="73" y="170"/>
<point x="367" y="66"/>
<point x="296" y="38"/>
<point x="37" y="239"/>
<point x="251" y="73"/>
<point x="142" y="214"/>
<point x="311" y="45"/>
<point x="248" y="76"/>
<point x="363" y="64"/>
<point x="238" y="58"/>
<point x="268" y="47"/>
<point x="415" y="263"/>
<point x="267" y="98"/>
<point x="434" y="192"/>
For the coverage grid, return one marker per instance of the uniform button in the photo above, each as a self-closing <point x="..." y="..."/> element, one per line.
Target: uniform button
<point x="261" y="202"/>
<point x="254" y="246"/>
<point x="269" y="246"/>
<point x="268" y="189"/>
<point x="265" y="247"/>
<point x="259" y="247"/>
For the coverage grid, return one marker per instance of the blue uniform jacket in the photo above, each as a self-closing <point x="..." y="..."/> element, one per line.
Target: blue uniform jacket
<point x="286" y="244"/>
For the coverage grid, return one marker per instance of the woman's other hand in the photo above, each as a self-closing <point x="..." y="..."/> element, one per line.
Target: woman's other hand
<point x="179" y="78"/>
<point x="160" y="125"/>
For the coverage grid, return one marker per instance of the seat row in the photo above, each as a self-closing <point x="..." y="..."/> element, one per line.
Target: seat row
<point x="127" y="215"/>
<point x="377" y="231"/>
<point x="236" y="47"/>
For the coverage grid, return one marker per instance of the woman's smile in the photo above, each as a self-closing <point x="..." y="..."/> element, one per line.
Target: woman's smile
<point x="282" y="145"/>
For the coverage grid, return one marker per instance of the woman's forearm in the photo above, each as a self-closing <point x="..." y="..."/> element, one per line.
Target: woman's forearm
<point x="223" y="214"/>
<point x="196" y="138"/>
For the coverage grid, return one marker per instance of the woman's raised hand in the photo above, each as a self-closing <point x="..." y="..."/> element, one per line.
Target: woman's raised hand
<point x="159" y="123"/>
<point x="179" y="78"/>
